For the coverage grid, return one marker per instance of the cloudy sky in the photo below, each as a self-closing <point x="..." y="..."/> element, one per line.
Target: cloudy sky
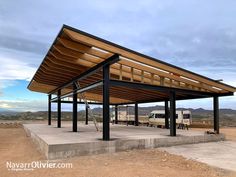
<point x="198" y="35"/>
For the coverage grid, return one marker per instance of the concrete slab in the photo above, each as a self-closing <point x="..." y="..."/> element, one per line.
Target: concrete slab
<point x="219" y="154"/>
<point x="56" y="143"/>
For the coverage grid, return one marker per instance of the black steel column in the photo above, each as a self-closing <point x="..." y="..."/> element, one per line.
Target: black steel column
<point x="172" y="114"/>
<point x="49" y="109"/>
<point x="216" y="114"/>
<point x="136" y="114"/>
<point x="75" y="110"/>
<point x="106" y="103"/>
<point x="116" y="114"/>
<point x="166" y="114"/>
<point x="59" y="109"/>
<point x="86" y="114"/>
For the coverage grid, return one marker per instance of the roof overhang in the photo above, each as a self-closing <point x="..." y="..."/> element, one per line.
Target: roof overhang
<point x="74" y="53"/>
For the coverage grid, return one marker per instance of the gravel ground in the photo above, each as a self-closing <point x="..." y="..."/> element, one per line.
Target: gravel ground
<point x="15" y="146"/>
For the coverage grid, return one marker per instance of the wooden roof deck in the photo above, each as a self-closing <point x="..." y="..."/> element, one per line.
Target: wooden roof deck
<point x="73" y="52"/>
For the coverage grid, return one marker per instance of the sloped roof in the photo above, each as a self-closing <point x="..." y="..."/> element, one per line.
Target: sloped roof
<point x="74" y="52"/>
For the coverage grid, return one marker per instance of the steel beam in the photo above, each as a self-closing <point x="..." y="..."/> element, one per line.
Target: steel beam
<point x="166" y="114"/>
<point x="161" y="88"/>
<point x="49" y="109"/>
<point x="80" y="90"/>
<point x="116" y="114"/>
<point x="59" y="109"/>
<point x="188" y="97"/>
<point x="113" y="59"/>
<point x="172" y="114"/>
<point x="136" y="114"/>
<point x="79" y="102"/>
<point x="216" y="114"/>
<point x="106" y="103"/>
<point x="86" y="114"/>
<point x="75" y="109"/>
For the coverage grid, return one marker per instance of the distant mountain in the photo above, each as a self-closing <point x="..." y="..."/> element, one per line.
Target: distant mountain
<point x="6" y="112"/>
<point x="3" y="110"/>
<point x="197" y="113"/>
<point x="227" y="111"/>
<point x="147" y="110"/>
<point x="130" y="109"/>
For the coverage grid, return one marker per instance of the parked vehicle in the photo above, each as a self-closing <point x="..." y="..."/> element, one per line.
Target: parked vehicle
<point x="157" y="117"/>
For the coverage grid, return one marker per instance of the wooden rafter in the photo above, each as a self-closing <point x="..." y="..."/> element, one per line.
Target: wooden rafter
<point x="74" y="52"/>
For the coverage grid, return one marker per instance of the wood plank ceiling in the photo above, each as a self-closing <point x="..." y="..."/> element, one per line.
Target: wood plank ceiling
<point x="73" y="52"/>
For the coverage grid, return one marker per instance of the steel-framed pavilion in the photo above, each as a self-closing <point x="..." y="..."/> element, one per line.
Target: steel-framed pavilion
<point x="109" y="74"/>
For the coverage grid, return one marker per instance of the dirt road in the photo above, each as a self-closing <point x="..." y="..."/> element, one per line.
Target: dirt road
<point x="15" y="146"/>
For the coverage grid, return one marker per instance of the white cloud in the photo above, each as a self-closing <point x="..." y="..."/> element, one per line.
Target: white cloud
<point x="13" y="69"/>
<point x="196" y="40"/>
<point x="26" y="105"/>
<point x="5" y="106"/>
<point x="7" y="83"/>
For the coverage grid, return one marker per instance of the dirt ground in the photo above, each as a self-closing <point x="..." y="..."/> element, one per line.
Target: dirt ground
<point x="15" y="146"/>
<point x="230" y="132"/>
